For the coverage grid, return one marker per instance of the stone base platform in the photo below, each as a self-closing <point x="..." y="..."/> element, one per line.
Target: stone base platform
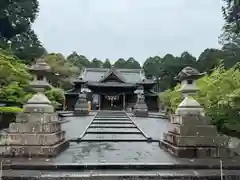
<point x="141" y="113"/>
<point x="122" y="174"/>
<point x="81" y="113"/>
<point x="195" y="152"/>
<point x="35" y="151"/>
<point x="54" y="171"/>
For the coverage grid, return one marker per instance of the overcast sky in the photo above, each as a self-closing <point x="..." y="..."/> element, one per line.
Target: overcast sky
<point x="129" y="28"/>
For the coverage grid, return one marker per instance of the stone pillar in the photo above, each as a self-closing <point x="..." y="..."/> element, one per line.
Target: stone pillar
<point x="190" y="133"/>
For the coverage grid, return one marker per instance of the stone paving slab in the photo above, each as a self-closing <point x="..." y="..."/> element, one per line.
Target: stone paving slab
<point x="76" y="126"/>
<point x="153" y="127"/>
<point x="114" y="152"/>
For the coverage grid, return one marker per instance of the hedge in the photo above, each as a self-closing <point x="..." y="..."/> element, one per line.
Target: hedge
<point x="10" y="109"/>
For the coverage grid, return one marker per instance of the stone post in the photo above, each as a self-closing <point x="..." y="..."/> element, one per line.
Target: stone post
<point x="190" y="133"/>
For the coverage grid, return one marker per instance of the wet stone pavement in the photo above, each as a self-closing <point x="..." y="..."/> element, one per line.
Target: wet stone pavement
<point x="87" y="160"/>
<point x="115" y="152"/>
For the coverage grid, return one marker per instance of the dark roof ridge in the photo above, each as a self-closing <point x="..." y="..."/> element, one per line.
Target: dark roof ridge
<point x="115" y="72"/>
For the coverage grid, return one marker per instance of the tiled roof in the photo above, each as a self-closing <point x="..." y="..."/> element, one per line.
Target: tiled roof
<point x="96" y="74"/>
<point x="111" y="84"/>
<point x="116" y="73"/>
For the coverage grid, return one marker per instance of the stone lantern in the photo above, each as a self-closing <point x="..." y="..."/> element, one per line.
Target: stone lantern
<point x="190" y="134"/>
<point x="37" y="131"/>
<point x="81" y="107"/>
<point x="140" y="108"/>
<point x="39" y="71"/>
<point x="189" y="105"/>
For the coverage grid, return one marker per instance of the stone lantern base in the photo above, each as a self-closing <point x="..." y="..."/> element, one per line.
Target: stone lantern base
<point x="191" y="136"/>
<point x="81" y="112"/>
<point x="35" y="151"/>
<point x="82" y="106"/>
<point x="141" y="113"/>
<point x="141" y="109"/>
<point x="36" y="132"/>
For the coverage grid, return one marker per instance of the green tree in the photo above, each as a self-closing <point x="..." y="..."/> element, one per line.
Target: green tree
<point x="231" y="53"/>
<point x="107" y="64"/>
<point x="152" y="66"/>
<point x="14" y="78"/>
<point x="16" y="17"/>
<point x="78" y="60"/>
<point x="56" y="96"/>
<point x="120" y="63"/>
<point x="231" y="14"/>
<point x="95" y="63"/>
<point x="27" y="46"/>
<point x="209" y="59"/>
<point x="63" y="71"/>
<point x="131" y="63"/>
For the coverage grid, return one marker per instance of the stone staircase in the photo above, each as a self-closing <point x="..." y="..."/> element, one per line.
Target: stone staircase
<point x="113" y="126"/>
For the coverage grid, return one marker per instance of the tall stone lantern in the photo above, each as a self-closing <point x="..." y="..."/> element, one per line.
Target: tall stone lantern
<point x="39" y="72"/>
<point x="189" y="105"/>
<point x="190" y="134"/>
<point x="37" y="131"/>
<point x="140" y="108"/>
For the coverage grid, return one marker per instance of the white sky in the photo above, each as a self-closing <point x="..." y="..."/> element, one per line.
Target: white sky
<point x="129" y="28"/>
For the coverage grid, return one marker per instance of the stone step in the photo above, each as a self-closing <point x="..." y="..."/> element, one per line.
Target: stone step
<point x="113" y="130"/>
<point x="113" y="137"/>
<point x="122" y="119"/>
<point x="112" y="126"/>
<point x="111" y="116"/>
<point x="111" y="112"/>
<point x="112" y="122"/>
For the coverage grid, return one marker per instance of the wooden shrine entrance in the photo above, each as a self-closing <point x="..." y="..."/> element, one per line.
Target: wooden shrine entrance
<point x="112" y="102"/>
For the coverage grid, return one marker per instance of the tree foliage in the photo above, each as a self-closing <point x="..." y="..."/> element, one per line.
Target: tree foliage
<point x="56" y="96"/>
<point x="16" y="34"/>
<point x="16" y="16"/>
<point x="63" y="71"/>
<point x="78" y="60"/>
<point x="107" y="64"/>
<point x="14" y="77"/>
